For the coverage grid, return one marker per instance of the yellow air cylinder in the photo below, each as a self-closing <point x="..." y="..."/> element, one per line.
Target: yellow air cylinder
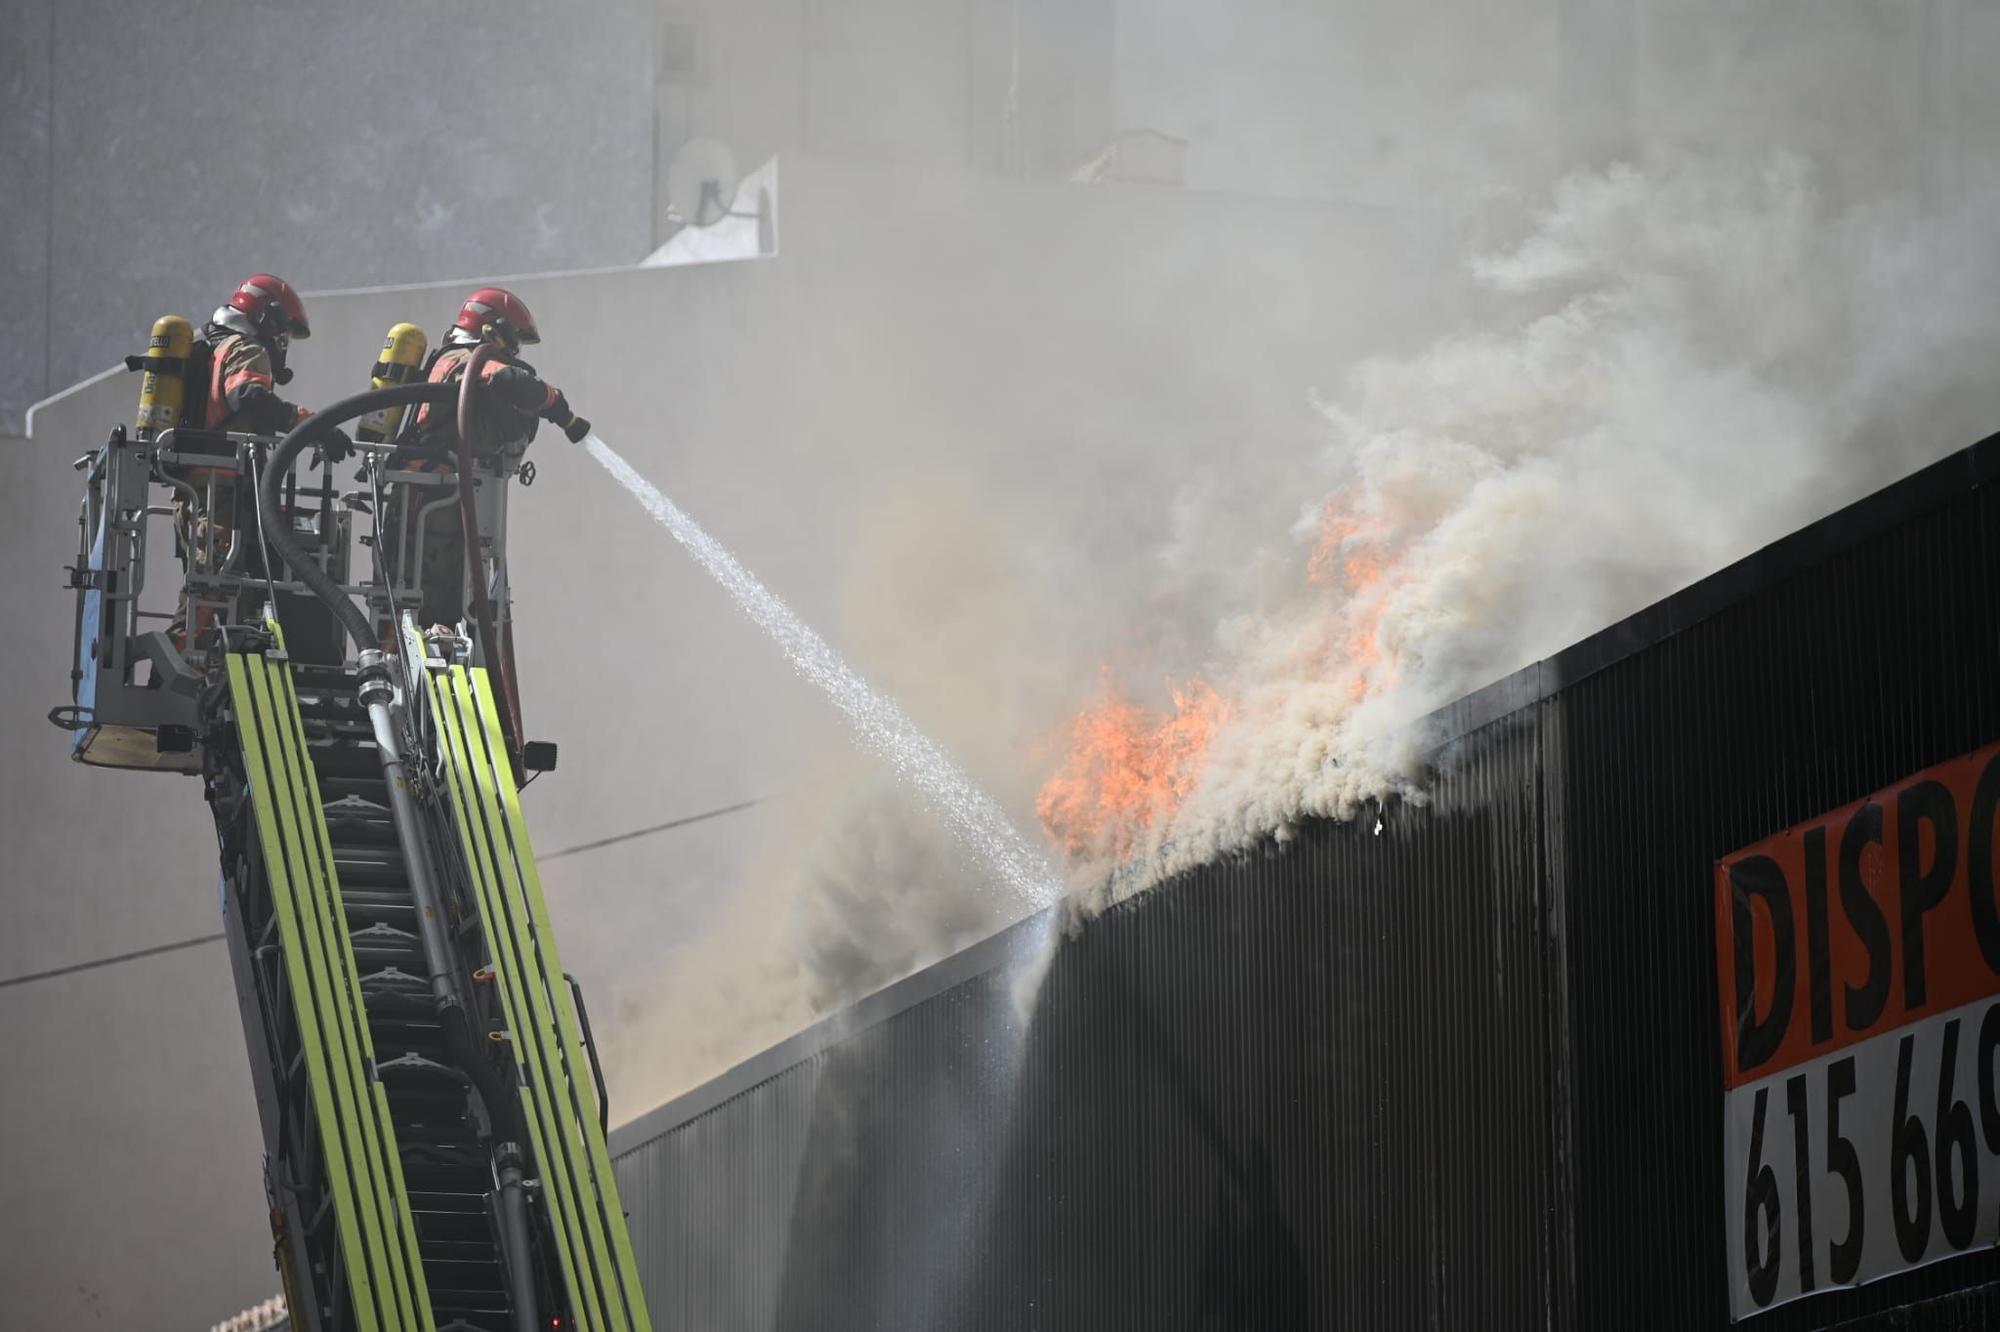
<point x="401" y="361"/>
<point x="163" y="388"/>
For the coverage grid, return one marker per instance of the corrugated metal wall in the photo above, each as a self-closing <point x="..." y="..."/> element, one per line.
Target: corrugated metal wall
<point x="1458" y="1072"/>
<point x="1243" y="1098"/>
<point x="1879" y="661"/>
<point x="1244" y="1102"/>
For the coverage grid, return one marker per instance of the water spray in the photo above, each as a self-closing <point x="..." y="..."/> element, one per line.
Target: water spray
<point x="881" y="726"/>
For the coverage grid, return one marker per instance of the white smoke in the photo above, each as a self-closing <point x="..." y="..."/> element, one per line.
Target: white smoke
<point x="1671" y="365"/>
<point x="1693" y="358"/>
<point x="878" y="722"/>
<point x="856" y="886"/>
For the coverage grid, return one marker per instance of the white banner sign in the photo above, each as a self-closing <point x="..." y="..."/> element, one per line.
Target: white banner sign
<point x="1858" y="983"/>
<point x="1879" y="1158"/>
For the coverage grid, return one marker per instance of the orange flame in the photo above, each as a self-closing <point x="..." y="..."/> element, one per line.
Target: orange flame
<point x="1336" y="529"/>
<point x="1367" y="568"/>
<point x="1368" y="666"/>
<point x="1128" y="769"/>
<point x="1346" y="543"/>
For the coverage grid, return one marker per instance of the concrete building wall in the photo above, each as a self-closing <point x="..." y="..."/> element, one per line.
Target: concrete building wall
<point x="120" y="1179"/>
<point x="151" y="165"/>
<point x="1020" y="87"/>
<point x="1885" y="95"/>
<point x="154" y="156"/>
<point x="1355" y="101"/>
<point x="1350" y="101"/>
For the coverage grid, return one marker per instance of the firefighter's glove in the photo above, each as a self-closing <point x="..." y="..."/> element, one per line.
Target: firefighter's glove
<point x="574" y="427"/>
<point x="337" y="448"/>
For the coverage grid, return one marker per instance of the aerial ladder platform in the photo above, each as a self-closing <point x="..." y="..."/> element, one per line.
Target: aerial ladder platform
<point x="433" y="1113"/>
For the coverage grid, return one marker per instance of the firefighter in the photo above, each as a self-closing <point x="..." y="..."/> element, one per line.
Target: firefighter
<point x="246" y="339"/>
<point x="514" y="400"/>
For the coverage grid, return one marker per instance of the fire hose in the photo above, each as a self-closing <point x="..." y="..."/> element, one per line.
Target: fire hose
<point x="276" y="532"/>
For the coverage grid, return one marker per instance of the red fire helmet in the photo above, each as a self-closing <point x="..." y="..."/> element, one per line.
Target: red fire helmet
<point x="272" y="306"/>
<point x="491" y="306"/>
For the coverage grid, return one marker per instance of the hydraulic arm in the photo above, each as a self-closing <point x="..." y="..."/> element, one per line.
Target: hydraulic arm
<point x="432" y="1110"/>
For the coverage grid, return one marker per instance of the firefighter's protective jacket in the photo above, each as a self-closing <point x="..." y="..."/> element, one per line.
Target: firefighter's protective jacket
<point x="240" y="393"/>
<point x="510" y="407"/>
